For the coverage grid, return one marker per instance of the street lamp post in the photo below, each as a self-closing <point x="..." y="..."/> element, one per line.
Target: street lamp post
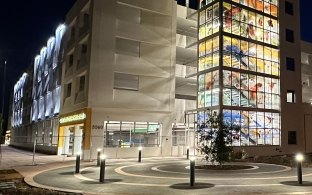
<point x="299" y="159"/>
<point x="3" y="96"/>
<point x="3" y="86"/>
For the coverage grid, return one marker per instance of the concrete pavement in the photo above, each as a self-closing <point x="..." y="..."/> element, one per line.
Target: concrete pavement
<point x="158" y="176"/>
<point x="171" y="176"/>
<point x="12" y="157"/>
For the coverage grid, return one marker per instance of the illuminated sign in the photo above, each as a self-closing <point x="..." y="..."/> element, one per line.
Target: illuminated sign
<point x="72" y="118"/>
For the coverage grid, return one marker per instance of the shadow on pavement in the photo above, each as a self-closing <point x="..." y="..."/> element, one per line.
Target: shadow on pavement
<point x="186" y="186"/>
<point x="68" y="173"/>
<point x="86" y="172"/>
<point x="105" y="181"/>
<point x="95" y="166"/>
<point x="295" y="183"/>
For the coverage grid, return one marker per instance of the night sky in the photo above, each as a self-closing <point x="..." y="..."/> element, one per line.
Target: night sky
<point x="26" y="26"/>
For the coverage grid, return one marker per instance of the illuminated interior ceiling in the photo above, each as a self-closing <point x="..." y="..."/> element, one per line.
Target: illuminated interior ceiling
<point x="186" y="56"/>
<point x="306" y="69"/>
<point x="187" y="27"/>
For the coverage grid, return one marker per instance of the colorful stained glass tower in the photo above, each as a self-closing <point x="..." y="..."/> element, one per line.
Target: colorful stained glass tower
<point x="239" y="69"/>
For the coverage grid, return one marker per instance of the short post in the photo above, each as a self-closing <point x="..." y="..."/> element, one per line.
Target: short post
<point x="102" y="168"/>
<point x="98" y="160"/>
<point x="187" y="152"/>
<point x="140" y="154"/>
<point x="299" y="159"/>
<point x="34" y="150"/>
<point x="192" y="171"/>
<point x="77" y="163"/>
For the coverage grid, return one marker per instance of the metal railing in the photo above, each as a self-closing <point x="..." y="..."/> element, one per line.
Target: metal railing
<point x="110" y="141"/>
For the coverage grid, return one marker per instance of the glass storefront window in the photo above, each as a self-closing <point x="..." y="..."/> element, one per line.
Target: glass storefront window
<point x="132" y="134"/>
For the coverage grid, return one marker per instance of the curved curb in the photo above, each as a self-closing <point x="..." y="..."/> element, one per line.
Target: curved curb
<point x="120" y="171"/>
<point x="29" y="179"/>
<point x="31" y="182"/>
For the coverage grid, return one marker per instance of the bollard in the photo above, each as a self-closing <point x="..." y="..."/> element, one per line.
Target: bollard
<point x="98" y="160"/>
<point x="192" y="171"/>
<point x="78" y="162"/>
<point x="299" y="159"/>
<point x="140" y="154"/>
<point x="102" y="168"/>
<point x="187" y="152"/>
<point x="34" y="150"/>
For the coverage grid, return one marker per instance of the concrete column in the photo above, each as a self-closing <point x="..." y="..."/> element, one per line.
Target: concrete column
<point x="77" y="140"/>
<point x="66" y="140"/>
<point x="166" y="136"/>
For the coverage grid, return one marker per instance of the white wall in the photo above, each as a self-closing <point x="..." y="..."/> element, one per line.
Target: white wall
<point x="145" y="33"/>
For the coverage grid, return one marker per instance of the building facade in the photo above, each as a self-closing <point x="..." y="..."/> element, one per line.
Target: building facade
<point x="147" y="73"/>
<point x="249" y="70"/>
<point x="36" y="100"/>
<point x="121" y="80"/>
<point x="239" y="68"/>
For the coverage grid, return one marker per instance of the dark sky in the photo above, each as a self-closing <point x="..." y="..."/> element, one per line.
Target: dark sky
<point x="26" y="26"/>
<point x="306" y="20"/>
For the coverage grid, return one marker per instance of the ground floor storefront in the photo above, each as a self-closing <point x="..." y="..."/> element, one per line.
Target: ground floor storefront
<point x="119" y="134"/>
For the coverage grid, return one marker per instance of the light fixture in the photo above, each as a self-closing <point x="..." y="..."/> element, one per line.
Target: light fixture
<point x="103" y="156"/>
<point x="299" y="157"/>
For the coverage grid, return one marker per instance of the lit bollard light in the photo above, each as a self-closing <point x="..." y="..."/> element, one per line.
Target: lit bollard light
<point x="102" y="168"/>
<point x="299" y="159"/>
<point x="98" y="160"/>
<point x="187" y="152"/>
<point x="192" y="171"/>
<point x="77" y="162"/>
<point x="140" y="154"/>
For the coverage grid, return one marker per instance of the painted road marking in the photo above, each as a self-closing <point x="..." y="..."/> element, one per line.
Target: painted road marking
<point x="119" y="170"/>
<point x="81" y="177"/>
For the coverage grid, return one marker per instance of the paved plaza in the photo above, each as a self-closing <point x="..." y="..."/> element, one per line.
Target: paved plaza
<point x="165" y="176"/>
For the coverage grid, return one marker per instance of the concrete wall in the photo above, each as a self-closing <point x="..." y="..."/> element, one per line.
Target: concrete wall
<point x="154" y="63"/>
<point x="291" y="80"/>
<point x="73" y="46"/>
<point x="134" y="38"/>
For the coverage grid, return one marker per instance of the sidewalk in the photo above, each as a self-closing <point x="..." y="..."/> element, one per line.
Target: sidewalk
<point x="12" y="157"/>
<point x="154" y="176"/>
